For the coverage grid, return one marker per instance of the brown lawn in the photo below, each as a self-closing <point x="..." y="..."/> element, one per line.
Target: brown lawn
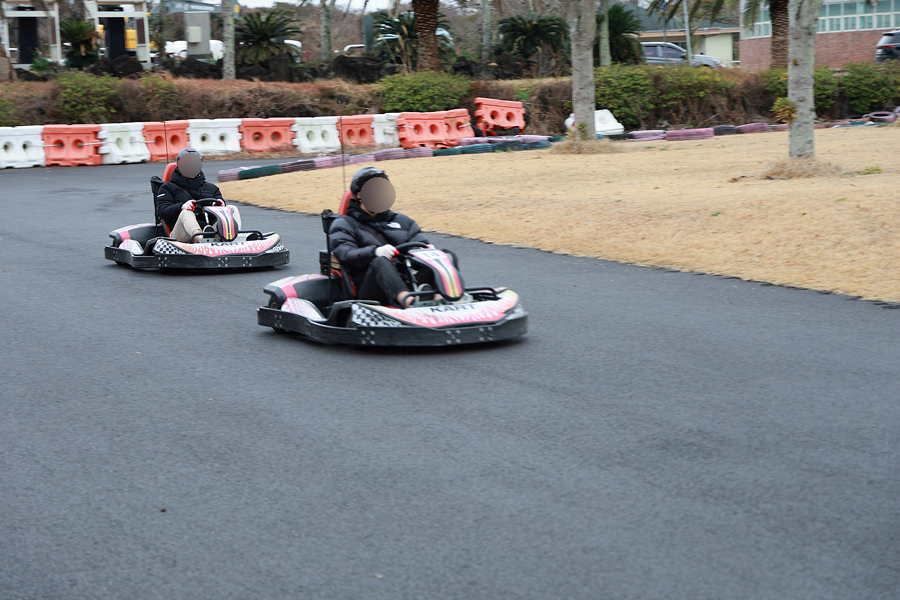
<point x="694" y="206"/>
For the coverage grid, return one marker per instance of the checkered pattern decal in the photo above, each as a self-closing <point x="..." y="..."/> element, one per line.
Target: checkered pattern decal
<point x="364" y="316"/>
<point x="164" y="247"/>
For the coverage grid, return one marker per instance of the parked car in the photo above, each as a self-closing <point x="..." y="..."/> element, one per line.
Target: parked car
<point x="661" y="54"/>
<point x="888" y="47"/>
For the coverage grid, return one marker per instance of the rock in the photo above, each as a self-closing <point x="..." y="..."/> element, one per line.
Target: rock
<point x="389" y="69"/>
<point x="191" y="68"/>
<point x="254" y="72"/>
<point x="357" y="69"/>
<point x="309" y="74"/>
<point x="126" y="66"/>
<point x="509" y="66"/>
<point x="471" y="68"/>
<point x="279" y="67"/>
<point x="23" y="75"/>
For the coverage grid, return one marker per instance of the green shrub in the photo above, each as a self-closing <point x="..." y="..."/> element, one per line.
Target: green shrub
<point x="776" y="81"/>
<point x="627" y="92"/>
<point x="870" y="87"/>
<point x="422" y="92"/>
<point x="85" y="98"/>
<point x="8" y="117"/>
<point x="826" y="89"/>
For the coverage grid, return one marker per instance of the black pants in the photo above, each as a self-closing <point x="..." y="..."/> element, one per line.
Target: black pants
<point x="382" y="282"/>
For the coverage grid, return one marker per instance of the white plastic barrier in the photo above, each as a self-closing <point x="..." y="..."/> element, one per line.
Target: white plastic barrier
<point x="604" y="123"/>
<point x="316" y="134"/>
<point x="215" y="136"/>
<point x="384" y="128"/>
<point x="22" y="147"/>
<point x="123" y="143"/>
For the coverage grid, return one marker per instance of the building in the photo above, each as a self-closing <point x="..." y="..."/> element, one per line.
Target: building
<point x="847" y="32"/>
<point x="715" y="39"/>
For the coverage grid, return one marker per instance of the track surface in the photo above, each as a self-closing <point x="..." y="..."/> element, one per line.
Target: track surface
<point x="656" y="435"/>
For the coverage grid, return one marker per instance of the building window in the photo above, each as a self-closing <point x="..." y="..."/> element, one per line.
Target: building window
<point x="882" y="21"/>
<point x="834" y="24"/>
<point x="865" y="8"/>
<point x="767" y="29"/>
<point x="821" y="25"/>
<point x="896" y="20"/>
<point x="849" y="23"/>
<point x="849" y="8"/>
<point x="866" y="23"/>
<point x="884" y="6"/>
<point x="834" y="10"/>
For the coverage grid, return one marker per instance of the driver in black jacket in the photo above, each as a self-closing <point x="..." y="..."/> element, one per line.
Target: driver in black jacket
<point x="364" y="240"/>
<point x="175" y="200"/>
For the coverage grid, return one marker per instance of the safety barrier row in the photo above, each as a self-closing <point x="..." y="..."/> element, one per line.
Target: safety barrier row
<point x="442" y="129"/>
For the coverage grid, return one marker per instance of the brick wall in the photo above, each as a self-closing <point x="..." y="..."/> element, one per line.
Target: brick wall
<point x="832" y="49"/>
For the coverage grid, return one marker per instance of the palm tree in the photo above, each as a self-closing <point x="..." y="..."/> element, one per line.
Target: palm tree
<point x="525" y="35"/>
<point x="624" y="27"/>
<point x="256" y="33"/>
<point x="82" y="36"/>
<point x="396" y="38"/>
<point x="426" y="28"/>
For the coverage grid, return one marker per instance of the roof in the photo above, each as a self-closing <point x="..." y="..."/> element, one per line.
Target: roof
<point x="653" y="21"/>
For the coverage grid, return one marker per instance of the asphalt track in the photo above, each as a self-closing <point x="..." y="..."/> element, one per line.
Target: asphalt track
<point x="656" y="435"/>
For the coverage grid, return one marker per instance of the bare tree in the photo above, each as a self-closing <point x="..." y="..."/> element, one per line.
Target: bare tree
<point x="486" y="31"/>
<point x="582" y="19"/>
<point x="326" y="10"/>
<point x="804" y="15"/>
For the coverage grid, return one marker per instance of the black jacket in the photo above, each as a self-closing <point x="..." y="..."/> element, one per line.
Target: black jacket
<point x="180" y="189"/>
<point x="353" y="241"/>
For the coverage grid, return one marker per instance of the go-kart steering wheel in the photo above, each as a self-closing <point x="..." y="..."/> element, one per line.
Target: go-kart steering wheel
<point x="199" y="204"/>
<point x="402" y="248"/>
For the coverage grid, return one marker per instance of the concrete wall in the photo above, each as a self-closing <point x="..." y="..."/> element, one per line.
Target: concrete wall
<point x="720" y="46"/>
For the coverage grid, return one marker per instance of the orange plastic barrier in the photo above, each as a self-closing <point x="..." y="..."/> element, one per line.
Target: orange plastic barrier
<point x="175" y="131"/>
<point x="71" y="145"/>
<point x="423" y="130"/>
<point x="261" y="135"/>
<point x="356" y="130"/>
<point x="459" y="125"/>
<point x="492" y="114"/>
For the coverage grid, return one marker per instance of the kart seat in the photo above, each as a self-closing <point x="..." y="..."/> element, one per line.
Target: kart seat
<point x="345" y="202"/>
<point x="155" y="183"/>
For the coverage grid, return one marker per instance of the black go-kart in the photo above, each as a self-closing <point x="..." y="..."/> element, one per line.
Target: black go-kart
<point x="149" y="245"/>
<point x="323" y="306"/>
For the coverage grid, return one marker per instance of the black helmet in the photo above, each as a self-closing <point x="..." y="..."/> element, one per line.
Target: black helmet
<point x="362" y="176"/>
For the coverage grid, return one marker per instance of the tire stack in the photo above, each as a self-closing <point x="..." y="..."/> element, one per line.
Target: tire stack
<point x="507" y="145"/>
<point x="341" y="159"/>
<point x="254" y="172"/>
<point x="536" y="145"/>
<point x="473" y="140"/>
<point x="528" y="139"/>
<point x="725" y="130"/>
<point x="419" y="152"/>
<point x="648" y="135"/>
<point x="447" y="152"/>
<point x="324" y="162"/>
<point x="754" y="128"/>
<point x="389" y="154"/>
<point x="477" y="149"/>
<point x="361" y="158"/>
<point x="298" y="165"/>
<point x="686" y="135"/>
<point x="231" y="174"/>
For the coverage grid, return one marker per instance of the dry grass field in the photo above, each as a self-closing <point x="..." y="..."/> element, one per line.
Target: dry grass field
<point x="693" y="206"/>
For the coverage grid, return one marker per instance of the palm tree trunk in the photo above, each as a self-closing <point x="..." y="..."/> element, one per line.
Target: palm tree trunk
<point x="228" y="70"/>
<point x="582" y="19"/>
<point x="780" y="33"/>
<point x="803" y="15"/>
<point x="426" y="26"/>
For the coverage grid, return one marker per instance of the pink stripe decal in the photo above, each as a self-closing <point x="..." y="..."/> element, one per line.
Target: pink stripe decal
<point x="228" y="248"/>
<point x="489" y="311"/>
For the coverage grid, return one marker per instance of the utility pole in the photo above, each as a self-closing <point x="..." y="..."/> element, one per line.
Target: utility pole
<point x="228" y="71"/>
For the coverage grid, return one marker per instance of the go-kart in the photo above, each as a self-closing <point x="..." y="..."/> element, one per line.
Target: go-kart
<point x="149" y="245"/>
<point x="323" y="306"/>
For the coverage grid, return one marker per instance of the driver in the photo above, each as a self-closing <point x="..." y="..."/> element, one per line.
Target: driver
<point x="364" y="239"/>
<point x="175" y="200"/>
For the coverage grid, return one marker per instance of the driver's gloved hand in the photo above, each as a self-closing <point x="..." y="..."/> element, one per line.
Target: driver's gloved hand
<point x="387" y="251"/>
<point x="220" y="203"/>
<point x="189" y="205"/>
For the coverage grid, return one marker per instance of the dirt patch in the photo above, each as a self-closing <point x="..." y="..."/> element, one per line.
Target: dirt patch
<point x="693" y="206"/>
